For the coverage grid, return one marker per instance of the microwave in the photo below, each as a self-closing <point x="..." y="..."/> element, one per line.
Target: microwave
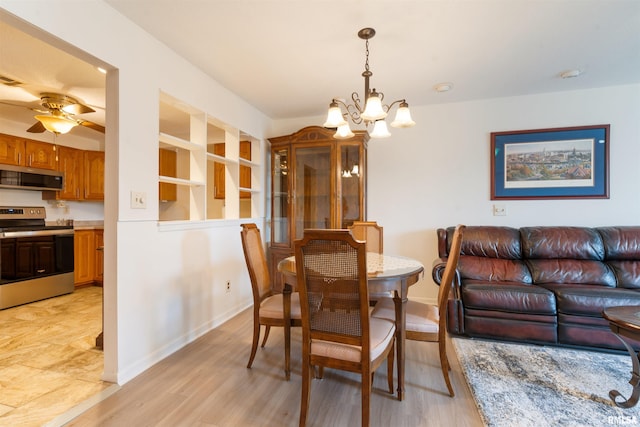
<point x="24" y="178"/>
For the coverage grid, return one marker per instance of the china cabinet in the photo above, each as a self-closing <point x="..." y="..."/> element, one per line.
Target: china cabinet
<point x="317" y="181"/>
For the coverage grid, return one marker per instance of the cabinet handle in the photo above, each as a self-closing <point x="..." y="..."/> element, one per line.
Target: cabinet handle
<point x="41" y="271"/>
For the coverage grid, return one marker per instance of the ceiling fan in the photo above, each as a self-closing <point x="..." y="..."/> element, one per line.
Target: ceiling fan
<point x="59" y="116"/>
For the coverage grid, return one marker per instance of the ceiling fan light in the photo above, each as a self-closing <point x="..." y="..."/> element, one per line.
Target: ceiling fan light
<point x="57" y="125"/>
<point x="403" y="117"/>
<point x="380" y="130"/>
<point x="334" y="116"/>
<point x="373" y="109"/>
<point x="343" y="132"/>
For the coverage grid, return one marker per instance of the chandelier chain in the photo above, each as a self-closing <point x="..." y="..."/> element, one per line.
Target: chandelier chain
<point x="366" y="62"/>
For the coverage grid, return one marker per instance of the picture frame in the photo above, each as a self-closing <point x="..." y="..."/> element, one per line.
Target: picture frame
<point x="555" y="163"/>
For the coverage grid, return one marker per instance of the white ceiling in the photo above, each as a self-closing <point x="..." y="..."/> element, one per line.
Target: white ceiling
<point x="290" y="57"/>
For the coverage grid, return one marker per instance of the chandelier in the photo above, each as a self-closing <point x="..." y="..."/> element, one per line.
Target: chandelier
<point x="374" y="111"/>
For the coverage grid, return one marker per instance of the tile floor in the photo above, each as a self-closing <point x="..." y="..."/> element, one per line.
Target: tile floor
<point x="48" y="359"/>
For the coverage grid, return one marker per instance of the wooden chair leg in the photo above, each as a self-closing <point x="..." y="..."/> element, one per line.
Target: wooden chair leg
<point x="390" y="360"/>
<point x="306" y="391"/>
<point x="366" y="398"/>
<point x="254" y="344"/>
<point x="444" y="364"/>
<point x="267" y="329"/>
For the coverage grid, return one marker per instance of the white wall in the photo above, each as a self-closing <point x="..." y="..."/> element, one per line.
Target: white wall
<point x="437" y="174"/>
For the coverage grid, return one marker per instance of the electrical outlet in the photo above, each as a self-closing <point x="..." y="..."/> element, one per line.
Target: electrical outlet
<point x="499" y="210"/>
<point x="138" y="200"/>
<point x="228" y="288"/>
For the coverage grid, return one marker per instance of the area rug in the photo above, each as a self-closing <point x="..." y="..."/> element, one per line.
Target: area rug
<point x="526" y="385"/>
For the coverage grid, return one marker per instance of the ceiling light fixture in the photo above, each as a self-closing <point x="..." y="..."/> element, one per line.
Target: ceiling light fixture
<point x="56" y="122"/>
<point x="372" y="112"/>
<point x="570" y="74"/>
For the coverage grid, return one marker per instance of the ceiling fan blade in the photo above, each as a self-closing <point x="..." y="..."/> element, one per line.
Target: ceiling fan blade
<point x="91" y="125"/>
<point x="78" y="109"/>
<point x="38" y="127"/>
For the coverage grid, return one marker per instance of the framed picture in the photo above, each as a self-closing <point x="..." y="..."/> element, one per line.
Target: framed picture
<point x="560" y="163"/>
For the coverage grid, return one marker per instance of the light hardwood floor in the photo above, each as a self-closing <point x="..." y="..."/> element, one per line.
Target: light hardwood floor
<point x="207" y="384"/>
<point x="48" y="359"/>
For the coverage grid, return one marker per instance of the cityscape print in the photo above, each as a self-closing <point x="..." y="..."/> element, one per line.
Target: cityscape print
<point x="549" y="164"/>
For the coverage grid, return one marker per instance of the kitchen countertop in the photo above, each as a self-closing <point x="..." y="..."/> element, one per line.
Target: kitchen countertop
<point x="88" y="225"/>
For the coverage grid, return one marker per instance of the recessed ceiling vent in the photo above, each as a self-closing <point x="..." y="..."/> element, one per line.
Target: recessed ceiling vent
<point x="9" y="82"/>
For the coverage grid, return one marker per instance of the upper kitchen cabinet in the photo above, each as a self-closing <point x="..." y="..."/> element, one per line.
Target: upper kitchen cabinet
<point x="317" y="181"/>
<point x="27" y="152"/>
<point x="207" y="169"/>
<point x="11" y="150"/>
<point x="83" y="175"/>
<point x="94" y="175"/>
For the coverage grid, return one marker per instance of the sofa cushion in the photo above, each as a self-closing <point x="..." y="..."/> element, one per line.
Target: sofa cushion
<point x="627" y="273"/>
<point x="493" y="269"/>
<point x="575" y="271"/>
<point x="621" y="243"/>
<point x="511" y="297"/>
<point x="562" y="242"/>
<point x="490" y="242"/>
<point x="591" y="300"/>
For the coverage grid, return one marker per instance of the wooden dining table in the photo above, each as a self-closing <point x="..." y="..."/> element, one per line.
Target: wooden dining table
<point x="386" y="273"/>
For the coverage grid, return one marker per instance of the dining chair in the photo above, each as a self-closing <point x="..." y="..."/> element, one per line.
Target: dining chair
<point x="337" y="330"/>
<point x="427" y="322"/>
<point x="371" y="233"/>
<point x="268" y="306"/>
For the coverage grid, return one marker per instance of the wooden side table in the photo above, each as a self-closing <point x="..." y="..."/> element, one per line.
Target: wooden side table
<point x="624" y="321"/>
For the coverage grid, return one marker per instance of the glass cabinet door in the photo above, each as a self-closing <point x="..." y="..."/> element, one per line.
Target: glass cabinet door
<point x="312" y="188"/>
<point x="350" y="185"/>
<point x="280" y="212"/>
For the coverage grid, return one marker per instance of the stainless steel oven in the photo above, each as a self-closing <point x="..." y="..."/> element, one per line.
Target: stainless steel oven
<point x="36" y="259"/>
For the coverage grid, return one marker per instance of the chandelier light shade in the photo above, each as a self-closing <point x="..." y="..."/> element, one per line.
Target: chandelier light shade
<point x="334" y="117"/>
<point x="372" y="112"/>
<point x="56" y="124"/>
<point x="403" y="117"/>
<point x="343" y="131"/>
<point x="380" y="129"/>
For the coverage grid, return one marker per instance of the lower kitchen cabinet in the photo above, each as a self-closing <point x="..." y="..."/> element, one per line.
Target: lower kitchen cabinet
<point x="88" y="260"/>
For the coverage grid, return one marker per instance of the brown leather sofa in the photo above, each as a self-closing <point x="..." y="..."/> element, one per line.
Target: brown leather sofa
<point x="545" y="285"/>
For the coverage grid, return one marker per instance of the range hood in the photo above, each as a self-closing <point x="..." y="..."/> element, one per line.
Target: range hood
<point x="24" y="178"/>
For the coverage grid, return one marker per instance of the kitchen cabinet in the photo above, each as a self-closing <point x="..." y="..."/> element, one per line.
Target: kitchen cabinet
<point x="71" y="164"/>
<point x="245" y="171"/>
<point x="84" y="264"/>
<point x="94" y="175"/>
<point x="168" y="166"/>
<point x="99" y="255"/>
<point x="83" y="175"/>
<point x="41" y="155"/>
<point x="11" y="150"/>
<point x="26" y="152"/>
<point x="317" y="181"/>
<point x="220" y="170"/>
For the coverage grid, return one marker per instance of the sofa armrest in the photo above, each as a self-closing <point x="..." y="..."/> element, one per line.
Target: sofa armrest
<point x="439" y="265"/>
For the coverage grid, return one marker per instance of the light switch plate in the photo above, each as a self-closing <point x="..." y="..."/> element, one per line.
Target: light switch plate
<point x="138" y="200"/>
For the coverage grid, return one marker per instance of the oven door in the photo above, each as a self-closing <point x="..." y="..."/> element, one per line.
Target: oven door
<point x="28" y="255"/>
